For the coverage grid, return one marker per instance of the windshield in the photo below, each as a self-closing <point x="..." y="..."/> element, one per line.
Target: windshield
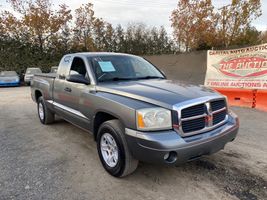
<point x="123" y="67"/>
<point x="33" y="71"/>
<point x="8" y="73"/>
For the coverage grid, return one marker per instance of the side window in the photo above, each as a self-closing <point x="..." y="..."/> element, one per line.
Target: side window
<point x="78" y="67"/>
<point x="64" y="65"/>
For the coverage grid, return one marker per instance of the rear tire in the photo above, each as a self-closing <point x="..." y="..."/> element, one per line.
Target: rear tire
<point x="122" y="162"/>
<point x="46" y="116"/>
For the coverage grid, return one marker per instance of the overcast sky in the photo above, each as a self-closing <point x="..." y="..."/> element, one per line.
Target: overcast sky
<point x="150" y="12"/>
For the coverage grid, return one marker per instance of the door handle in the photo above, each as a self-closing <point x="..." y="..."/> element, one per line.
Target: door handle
<point x="67" y="89"/>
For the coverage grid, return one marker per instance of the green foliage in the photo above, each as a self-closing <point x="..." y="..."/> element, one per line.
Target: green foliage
<point x="18" y="56"/>
<point x="263" y="37"/>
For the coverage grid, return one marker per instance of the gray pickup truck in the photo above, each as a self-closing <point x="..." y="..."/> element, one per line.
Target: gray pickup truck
<point x="133" y="111"/>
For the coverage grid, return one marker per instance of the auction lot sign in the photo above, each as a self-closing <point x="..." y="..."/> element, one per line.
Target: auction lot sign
<point x="238" y="68"/>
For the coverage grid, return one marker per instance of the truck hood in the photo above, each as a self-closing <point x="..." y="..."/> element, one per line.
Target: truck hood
<point x="164" y="93"/>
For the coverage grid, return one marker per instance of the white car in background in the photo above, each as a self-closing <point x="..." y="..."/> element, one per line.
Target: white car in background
<point x="30" y="73"/>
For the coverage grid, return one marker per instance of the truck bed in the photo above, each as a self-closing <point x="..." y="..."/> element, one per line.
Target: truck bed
<point x="45" y="83"/>
<point x="46" y="75"/>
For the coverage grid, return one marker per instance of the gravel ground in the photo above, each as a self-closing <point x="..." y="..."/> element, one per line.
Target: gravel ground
<point x="60" y="161"/>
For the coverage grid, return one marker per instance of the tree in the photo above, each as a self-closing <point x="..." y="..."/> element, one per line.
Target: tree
<point x="109" y="38"/>
<point x="40" y="20"/>
<point x="263" y="37"/>
<point x="12" y="26"/>
<point x="192" y="22"/>
<point x="236" y="18"/>
<point x="41" y="34"/>
<point x="136" y="36"/>
<point x="119" y="39"/>
<point x="197" y="25"/>
<point x="84" y="26"/>
<point x="99" y="34"/>
<point x="164" y="43"/>
<point x="250" y="35"/>
<point x="104" y="35"/>
<point x="2" y="30"/>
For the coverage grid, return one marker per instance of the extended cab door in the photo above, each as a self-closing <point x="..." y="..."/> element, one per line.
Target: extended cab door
<point x="73" y="91"/>
<point x="59" y="94"/>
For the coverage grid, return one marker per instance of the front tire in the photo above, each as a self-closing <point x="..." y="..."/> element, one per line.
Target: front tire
<point x="113" y="150"/>
<point x="45" y="115"/>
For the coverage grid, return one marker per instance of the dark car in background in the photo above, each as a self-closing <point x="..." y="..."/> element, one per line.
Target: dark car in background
<point x="30" y="73"/>
<point x="9" y="78"/>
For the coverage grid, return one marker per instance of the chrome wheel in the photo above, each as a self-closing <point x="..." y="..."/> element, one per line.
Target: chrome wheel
<point x="41" y="111"/>
<point x="109" y="150"/>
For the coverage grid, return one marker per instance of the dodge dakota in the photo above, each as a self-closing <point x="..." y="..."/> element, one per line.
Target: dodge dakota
<point x="133" y="111"/>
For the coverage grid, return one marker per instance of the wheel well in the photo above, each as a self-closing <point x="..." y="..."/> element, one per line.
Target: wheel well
<point x="100" y="118"/>
<point x="37" y="95"/>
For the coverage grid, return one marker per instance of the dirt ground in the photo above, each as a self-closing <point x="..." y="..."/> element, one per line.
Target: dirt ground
<point x="60" y="161"/>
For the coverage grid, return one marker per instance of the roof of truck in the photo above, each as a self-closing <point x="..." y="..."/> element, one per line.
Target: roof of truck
<point x="100" y="54"/>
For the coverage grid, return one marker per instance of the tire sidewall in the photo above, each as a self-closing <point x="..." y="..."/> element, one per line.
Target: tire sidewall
<point x="116" y="171"/>
<point x="40" y="101"/>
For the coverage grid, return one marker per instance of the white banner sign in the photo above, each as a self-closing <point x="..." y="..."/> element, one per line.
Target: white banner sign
<point x="238" y="68"/>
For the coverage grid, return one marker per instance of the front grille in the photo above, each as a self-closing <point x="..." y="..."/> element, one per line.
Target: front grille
<point x="219" y="117"/>
<point x="202" y="117"/>
<point x="193" y="125"/>
<point x="193" y="111"/>
<point x="217" y="105"/>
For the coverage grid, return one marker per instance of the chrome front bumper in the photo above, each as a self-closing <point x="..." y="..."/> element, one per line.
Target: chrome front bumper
<point x="153" y="146"/>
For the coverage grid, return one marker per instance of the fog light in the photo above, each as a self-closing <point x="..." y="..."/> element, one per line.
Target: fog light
<point x="170" y="157"/>
<point x="166" y="156"/>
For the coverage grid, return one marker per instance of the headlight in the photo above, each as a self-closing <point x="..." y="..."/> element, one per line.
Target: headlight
<point x="153" y="119"/>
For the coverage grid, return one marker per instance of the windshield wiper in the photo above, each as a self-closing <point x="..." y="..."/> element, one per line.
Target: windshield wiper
<point x="133" y="78"/>
<point x="117" y="79"/>
<point x="151" y="77"/>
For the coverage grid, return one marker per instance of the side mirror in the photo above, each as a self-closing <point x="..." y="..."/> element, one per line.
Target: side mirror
<point x="78" y="78"/>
